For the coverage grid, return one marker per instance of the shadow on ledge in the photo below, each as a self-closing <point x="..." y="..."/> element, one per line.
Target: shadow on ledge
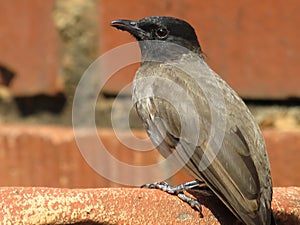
<point x="225" y="216"/>
<point x="218" y="209"/>
<point x="90" y="222"/>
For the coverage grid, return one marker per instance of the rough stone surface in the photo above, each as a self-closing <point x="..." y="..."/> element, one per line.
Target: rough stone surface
<point x="38" y="205"/>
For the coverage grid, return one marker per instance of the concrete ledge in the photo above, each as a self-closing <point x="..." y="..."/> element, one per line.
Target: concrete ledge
<point x="38" y="205"/>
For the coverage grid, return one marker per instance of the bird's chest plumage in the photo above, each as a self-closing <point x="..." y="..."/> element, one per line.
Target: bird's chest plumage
<point x="166" y="95"/>
<point x="154" y="102"/>
<point x="166" y="103"/>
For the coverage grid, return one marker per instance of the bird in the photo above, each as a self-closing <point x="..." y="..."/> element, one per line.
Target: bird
<point x="194" y="117"/>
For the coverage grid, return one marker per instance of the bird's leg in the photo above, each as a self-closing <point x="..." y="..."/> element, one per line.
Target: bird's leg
<point x="164" y="186"/>
<point x="178" y="190"/>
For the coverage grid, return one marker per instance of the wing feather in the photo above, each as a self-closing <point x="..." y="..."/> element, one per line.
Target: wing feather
<point x="232" y="175"/>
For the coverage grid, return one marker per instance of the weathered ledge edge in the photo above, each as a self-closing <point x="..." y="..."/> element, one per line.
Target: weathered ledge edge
<point x="40" y="205"/>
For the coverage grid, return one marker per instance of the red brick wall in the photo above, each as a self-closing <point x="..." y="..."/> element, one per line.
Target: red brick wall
<point x="252" y="44"/>
<point x="29" y="46"/>
<point x="48" y="156"/>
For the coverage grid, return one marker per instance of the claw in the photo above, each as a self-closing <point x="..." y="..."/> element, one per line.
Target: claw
<point x="192" y="202"/>
<point x="178" y="190"/>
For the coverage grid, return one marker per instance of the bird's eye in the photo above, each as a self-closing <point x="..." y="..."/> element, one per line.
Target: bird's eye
<point x="161" y="33"/>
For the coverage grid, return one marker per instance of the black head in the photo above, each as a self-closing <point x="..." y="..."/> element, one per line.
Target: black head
<point x="161" y="28"/>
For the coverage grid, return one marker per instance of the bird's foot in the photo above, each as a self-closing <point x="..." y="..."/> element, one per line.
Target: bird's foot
<point x="178" y="190"/>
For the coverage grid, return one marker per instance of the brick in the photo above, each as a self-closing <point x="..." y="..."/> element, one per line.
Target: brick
<point x="29" y="47"/>
<point x="48" y="156"/>
<point x="38" y="205"/>
<point x="283" y="147"/>
<point x="252" y="45"/>
<point x="43" y="156"/>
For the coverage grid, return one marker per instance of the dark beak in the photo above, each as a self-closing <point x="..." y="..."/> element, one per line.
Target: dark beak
<point x="130" y="26"/>
<point x="126" y="25"/>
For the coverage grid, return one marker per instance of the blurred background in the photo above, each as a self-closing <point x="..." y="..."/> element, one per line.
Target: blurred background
<point x="46" y="46"/>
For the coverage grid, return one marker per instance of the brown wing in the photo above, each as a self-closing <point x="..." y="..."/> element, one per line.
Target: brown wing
<point x="232" y="175"/>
